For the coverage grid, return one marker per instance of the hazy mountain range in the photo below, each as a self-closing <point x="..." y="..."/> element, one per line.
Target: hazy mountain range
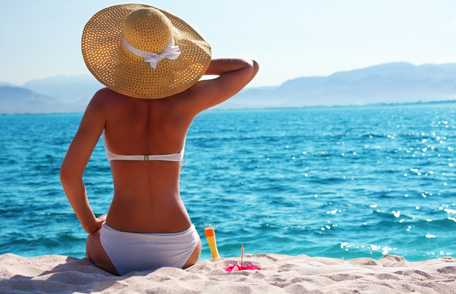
<point x="53" y="94"/>
<point x="384" y="83"/>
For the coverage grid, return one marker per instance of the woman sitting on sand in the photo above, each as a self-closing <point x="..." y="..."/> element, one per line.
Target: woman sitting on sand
<point x="151" y="62"/>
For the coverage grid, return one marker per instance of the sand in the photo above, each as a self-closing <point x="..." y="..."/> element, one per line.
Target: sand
<point x="279" y="274"/>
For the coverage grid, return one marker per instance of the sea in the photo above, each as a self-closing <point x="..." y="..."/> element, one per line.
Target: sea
<point x="344" y="182"/>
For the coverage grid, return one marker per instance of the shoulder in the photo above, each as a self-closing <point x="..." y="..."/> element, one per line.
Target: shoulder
<point x="177" y="105"/>
<point x="98" y="103"/>
<point x="102" y="98"/>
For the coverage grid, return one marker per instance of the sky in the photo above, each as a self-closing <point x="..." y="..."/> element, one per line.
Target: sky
<point x="288" y="38"/>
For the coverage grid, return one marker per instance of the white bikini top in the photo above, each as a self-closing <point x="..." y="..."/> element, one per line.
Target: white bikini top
<point x="165" y="157"/>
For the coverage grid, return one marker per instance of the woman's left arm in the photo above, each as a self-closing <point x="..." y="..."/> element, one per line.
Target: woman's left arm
<point x="76" y="159"/>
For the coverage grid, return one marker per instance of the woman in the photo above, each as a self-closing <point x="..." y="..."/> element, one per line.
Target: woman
<point x="151" y="63"/>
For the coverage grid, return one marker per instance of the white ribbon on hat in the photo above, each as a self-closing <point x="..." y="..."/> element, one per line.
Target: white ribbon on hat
<point x="170" y="52"/>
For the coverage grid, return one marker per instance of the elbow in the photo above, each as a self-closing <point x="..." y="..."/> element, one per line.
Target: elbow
<point x="250" y="68"/>
<point x="66" y="175"/>
<point x="250" y="63"/>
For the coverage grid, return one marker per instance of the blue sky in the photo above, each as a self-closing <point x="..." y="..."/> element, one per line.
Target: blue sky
<point x="289" y="38"/>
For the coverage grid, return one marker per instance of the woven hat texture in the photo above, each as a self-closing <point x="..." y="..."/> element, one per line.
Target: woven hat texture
<point x="148" y="29"/>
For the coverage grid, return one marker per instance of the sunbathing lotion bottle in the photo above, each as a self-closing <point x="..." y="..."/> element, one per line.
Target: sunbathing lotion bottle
<point x="212" y="242"/>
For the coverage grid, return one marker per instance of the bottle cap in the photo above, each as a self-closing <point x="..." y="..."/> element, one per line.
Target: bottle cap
<point x="209" y="231"/>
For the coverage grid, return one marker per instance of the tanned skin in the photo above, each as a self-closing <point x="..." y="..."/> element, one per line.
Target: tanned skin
<point x="146" y="193"/>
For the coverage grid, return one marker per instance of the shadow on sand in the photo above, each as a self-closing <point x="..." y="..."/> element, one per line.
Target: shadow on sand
<point x="71" y="275"/>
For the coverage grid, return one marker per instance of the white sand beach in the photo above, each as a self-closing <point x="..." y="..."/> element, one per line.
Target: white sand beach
<point x="279" y="274"/>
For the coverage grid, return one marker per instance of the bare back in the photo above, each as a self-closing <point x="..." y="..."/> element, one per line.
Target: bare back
<point x="146" y="193"/>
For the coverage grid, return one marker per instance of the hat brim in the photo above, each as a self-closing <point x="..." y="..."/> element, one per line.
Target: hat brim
<point x="113" y="67"/>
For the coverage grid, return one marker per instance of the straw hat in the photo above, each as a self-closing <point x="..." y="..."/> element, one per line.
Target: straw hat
<point x="143" y="52"/>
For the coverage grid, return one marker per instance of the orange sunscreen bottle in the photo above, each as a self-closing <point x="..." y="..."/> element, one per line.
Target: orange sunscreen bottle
<point x="212" y="242"/>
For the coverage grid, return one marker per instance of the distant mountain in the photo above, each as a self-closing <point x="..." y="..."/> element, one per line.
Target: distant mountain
<point x="70" y="89"/>
<point x="385" y="83"/>
<point x="17" y="99"/>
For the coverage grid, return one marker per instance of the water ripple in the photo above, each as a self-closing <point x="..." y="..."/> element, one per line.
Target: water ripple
<point x="341" y="182"/>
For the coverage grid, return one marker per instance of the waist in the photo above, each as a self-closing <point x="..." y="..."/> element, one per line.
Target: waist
<point x="142" y="215"/>
<point x="188" y="231"/>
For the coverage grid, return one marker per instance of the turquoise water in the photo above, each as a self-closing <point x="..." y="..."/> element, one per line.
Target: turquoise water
<point x="340" y="182"/>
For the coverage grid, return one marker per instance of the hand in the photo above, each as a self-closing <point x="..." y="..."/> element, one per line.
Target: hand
<point x="98" y="223"/>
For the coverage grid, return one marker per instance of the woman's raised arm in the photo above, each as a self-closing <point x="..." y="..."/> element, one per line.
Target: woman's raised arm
<point x="233" y="75"/>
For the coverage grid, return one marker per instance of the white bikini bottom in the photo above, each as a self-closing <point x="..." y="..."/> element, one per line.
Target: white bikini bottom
<point x="147" y="251"/>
